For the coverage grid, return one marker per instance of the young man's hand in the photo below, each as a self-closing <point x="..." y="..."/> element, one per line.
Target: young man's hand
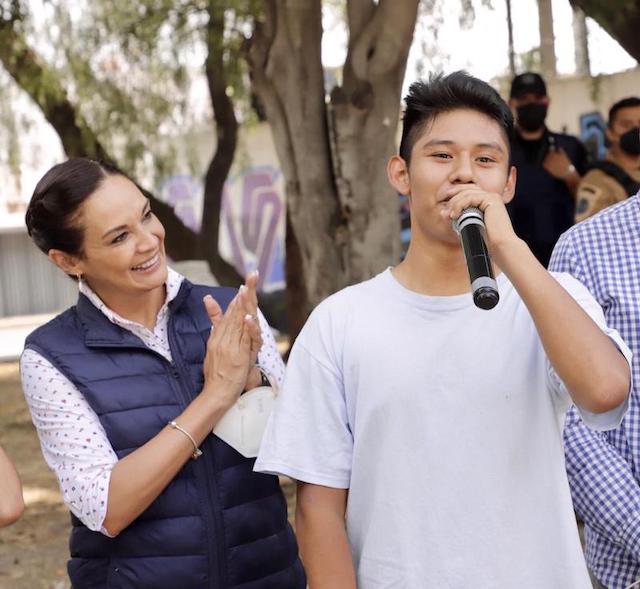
<point x="499" y="232"/>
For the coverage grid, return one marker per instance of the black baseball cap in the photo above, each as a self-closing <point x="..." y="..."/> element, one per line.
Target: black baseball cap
<point x="529" y="82"/>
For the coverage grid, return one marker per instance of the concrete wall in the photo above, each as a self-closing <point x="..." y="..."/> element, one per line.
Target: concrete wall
<point x="572" y="96"/>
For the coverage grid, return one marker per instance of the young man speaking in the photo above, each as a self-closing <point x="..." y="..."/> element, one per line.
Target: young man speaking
<point x="425" y="433"/>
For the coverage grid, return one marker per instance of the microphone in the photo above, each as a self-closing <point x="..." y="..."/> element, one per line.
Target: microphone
<point x="469" y="226"/>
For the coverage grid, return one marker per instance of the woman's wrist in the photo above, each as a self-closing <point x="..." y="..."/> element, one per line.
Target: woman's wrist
<point x="254" y="378"/>
<point x="219" y="397"/>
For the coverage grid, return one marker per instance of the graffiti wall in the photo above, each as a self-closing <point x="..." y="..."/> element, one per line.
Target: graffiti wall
<point x="251" y="222"/>
<point x="592" y="134"/>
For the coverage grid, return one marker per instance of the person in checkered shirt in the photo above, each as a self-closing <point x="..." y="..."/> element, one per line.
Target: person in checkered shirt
<point x="603" y="253"/>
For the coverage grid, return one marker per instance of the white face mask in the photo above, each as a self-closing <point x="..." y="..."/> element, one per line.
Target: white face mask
<point x="243" y="425"/>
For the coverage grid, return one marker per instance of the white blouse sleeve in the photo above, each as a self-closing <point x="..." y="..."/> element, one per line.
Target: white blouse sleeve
<point x="73" y="441"/>
<point x="269" y="358"/>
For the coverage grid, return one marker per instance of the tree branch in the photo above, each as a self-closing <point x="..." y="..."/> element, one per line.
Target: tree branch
<point x="359" y="13"/>
<point x="382" y="43"/>
<point x="43" y="86"/>
<point x="226" y="133"/>
<point x="620" y="19"/>
<point x="41" y="83"/>
<point x="257" y="50"/>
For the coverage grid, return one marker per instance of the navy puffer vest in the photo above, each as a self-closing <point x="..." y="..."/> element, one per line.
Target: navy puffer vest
<point x="218" y="525"/>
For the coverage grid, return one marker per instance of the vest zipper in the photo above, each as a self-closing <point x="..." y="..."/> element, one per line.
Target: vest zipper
<point x="212" y="513"/>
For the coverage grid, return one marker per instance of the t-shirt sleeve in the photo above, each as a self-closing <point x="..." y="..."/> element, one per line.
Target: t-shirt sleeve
<point x="308" y="437"/>
<point x="597" y="421"/>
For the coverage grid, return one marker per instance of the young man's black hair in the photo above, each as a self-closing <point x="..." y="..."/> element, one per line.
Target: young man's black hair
<point x="444" y="93"/>
<point x="630" y="102"/>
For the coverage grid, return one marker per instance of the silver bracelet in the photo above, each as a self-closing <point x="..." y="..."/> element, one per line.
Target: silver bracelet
<point x="196" y="451"/>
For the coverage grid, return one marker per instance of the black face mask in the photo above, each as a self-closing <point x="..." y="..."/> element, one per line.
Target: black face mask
<point x="630" y="141"/>
<point x="531" y="116"/>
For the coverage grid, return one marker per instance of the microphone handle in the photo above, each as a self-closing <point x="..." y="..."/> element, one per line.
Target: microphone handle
<point x="483" y="284"/>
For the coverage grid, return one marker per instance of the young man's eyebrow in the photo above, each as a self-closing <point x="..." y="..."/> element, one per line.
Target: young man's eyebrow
<point x="491" y="145"/>
<point x="433" y="142"/>
<point x="147" y="203"/>
<point x="483" y="145"/>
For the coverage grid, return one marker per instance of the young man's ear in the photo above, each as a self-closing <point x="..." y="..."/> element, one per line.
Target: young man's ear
<point x="398" y="174"/>
<point x="66" y="262"/>
<point x="510" y="187"/>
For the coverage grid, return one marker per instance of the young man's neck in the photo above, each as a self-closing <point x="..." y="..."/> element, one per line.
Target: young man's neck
<point x="628" y="162"/>
<point x="530" y="135"/>
<point x="441" y="272"/>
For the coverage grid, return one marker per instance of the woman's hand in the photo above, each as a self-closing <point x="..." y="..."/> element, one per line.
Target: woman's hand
<point x="254" y="378"/>
<point x="238" y="329"/>
<point x="228" y="357"/>
<point x="251" y="297"/>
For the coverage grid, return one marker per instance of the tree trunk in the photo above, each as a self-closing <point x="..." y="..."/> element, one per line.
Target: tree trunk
<point x="547" y="39"/>
<point x="581" y="42"/>
<point x="296" y="291"/>
<point x="288" y="77"/>
<point x="343" y="213"/>
<point x="364" y="115"/>
<point x="620" y="19"/>
<point x="512" y="53"/>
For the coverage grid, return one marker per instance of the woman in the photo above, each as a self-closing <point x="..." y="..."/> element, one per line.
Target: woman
<point x="125" y="388"/>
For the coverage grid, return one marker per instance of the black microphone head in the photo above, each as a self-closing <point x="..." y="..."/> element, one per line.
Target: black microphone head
<point x="486" y="297"/>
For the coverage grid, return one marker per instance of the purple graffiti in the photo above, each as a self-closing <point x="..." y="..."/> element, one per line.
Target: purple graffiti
<point x="261" y="209"/>
<point x="252" y="210"/>
<point x="181" y="192"/>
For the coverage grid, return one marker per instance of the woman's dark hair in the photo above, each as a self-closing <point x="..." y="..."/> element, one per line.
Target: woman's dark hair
<point x="54" y="206"/>
<point x="426" y="100"/>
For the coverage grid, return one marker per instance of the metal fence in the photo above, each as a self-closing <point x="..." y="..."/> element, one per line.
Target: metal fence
<point x="29" y="283"/>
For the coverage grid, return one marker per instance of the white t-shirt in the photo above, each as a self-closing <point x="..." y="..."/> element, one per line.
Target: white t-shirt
<point x="445" y="423"/>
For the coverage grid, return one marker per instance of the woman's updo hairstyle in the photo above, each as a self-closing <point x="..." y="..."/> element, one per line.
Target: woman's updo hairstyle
<point x="56" y="199"/>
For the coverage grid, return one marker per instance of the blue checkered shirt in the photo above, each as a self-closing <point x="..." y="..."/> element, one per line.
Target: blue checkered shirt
<point x="603" y="252"/>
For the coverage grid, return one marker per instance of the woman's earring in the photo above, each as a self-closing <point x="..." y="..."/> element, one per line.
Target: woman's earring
<point x="79" y="276"/>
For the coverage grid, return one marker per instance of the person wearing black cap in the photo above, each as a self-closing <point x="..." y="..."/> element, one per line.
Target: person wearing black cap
<point x="549" y="166"/>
